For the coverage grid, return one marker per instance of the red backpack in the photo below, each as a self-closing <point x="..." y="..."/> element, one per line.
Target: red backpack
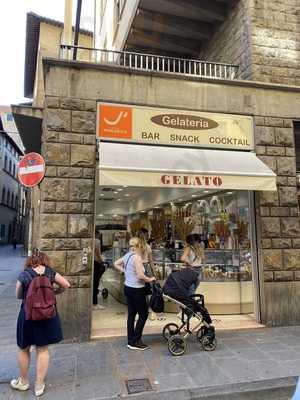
<point x="40" y="302"/>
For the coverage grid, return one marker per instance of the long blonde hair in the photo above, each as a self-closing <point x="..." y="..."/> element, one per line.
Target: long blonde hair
<point x="143" y="244"/>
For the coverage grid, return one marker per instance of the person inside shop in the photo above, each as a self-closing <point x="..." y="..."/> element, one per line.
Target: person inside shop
<point x="134" y="289"/>
<point x="193" y="256"/>
<point x="148" y="263"/>
<point x="99" y="269"/>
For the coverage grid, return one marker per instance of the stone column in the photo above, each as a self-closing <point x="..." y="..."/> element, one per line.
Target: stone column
<point x="67" y="204"/>
<point x="278" y="224"/>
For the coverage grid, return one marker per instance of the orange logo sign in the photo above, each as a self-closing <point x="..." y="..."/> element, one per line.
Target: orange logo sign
<point x="115" y="122"/>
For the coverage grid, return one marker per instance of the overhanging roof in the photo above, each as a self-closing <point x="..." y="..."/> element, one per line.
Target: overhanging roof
<point x="175" y="27"/>
<point x="156" y="166"/>
<point x="31" y="47"/>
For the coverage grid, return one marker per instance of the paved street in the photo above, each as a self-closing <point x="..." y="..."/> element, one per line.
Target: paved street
<point x="244" y="360"/>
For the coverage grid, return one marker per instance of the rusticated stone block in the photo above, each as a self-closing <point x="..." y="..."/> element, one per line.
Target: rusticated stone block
<point x="51" y="171"/>
<point x="290" y="226"/>
<point x="89" y="173"/>
<point x="281" y="180"/>
<point x="57" y="154"/>
<point x="57" y="119"/>
<point x="292" y="181"/>
<point x="288" y="196"/>
<point x="46" y="244"/>
<point x="286" y="166"/>
<point x="88" y="208"/>
<point x="51" y="102"/>
<point x="288" y="123"/>
<point x="268" y="276"/>
<point x="270" y="227"/>
<point x="284" y="136"/>
<point x="68" y="207"/>
<point x="270" y="161"/>
<point x="89" y="139"/>
<point x="48" y="207"/>
<point x="83" y="121"/>
<point x="294" y="211"/>
<point x="74" y="262"/>
<point x="51" y="136"/>
<point x="296" y="243"/>
<point x="67" y="137"/>
<point x="83" y="155"/>
<point x="290" y="152"/>
<point x="259" y="121"/>
<point x="77" y="104"/>
<point x="266" y="243"/>
<point x="291" y="259"/>
<point x="275" y="151"/>
<point x="271" y="121"/>
<point x="67" y="244"/>
<point x="282" y="243"/>
<point x="85" y="281"/>
<point x="297" y="275"/>
<point x="55" y="189"/>
<point x="264" y="135"/>
<point x="58" y="261"/>
<point x="279" y="211"/>
<point x="272" y="259"/>
<point x="283" y="276"/>
<point x="69" y="172"/>
<point x="81" y="190"/>
<point x="80" y="225"/>
<point x="268" y="198"/>
<point x="87" y="244"/>
<point x="264" y="211"/>
<point x="53" y="225"/>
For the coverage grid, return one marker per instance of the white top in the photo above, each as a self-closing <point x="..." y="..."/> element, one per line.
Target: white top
<point x="131" y="278"/>
<point x="193" y="259"/>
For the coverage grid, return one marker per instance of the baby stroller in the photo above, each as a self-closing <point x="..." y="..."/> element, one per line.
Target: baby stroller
<point x="191" y="307"/>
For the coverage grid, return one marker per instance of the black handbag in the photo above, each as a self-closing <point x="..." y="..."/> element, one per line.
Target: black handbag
<point x="148" y="289"/>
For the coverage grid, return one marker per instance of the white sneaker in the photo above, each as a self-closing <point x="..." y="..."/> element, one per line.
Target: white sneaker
<point x="98" y="307"/>
<point x="18" y="384"/>
<point x="39" y="389"/>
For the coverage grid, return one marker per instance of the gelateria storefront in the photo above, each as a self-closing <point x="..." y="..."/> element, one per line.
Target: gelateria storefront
<point x="179" y="172"/>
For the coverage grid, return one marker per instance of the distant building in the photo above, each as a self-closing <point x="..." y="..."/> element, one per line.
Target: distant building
<point x="12" y="194"/>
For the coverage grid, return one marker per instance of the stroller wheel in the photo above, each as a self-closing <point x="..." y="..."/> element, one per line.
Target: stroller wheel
<point x="170" y="330"/>
<point x="177" y="345"/>
<point x="208" y="343"/>
<point x="104" y="293"/>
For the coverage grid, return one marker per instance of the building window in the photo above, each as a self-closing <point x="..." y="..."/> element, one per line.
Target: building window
<point x="23" y="207"/>
<point x="9" y="169"/>
<point x="8" y="198"/>
<point x="16" y="202"/>
<point x="12" y="200"/>
<point x="297" y="145"/>
<point x="5" y="163"/>
<point x="2" y="231"/>
<point x="3" y="196"/>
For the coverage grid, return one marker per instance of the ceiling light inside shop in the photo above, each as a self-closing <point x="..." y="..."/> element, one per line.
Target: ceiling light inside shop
<point x="127" y="194"/>
<point x="229" y="192"/>
<point x="115" y="216"/>
<point x="194" y="195"/>
<point x="115" y="192"/>
<point x="101" y="194"/>
<point x="119" y="200"/>
<point x="125" y="186"/>
<point x="119" y="190"/>
<point x="100" y="215"/>
<point x="205" y="191"/>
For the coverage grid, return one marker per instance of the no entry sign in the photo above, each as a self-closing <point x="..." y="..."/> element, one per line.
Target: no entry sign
<point x="31" y="169"/>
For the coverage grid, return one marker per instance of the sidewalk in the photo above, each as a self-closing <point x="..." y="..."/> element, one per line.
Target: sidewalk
<point x="264" y="360"/>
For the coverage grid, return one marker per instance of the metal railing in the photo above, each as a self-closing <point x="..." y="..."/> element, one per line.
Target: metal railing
<point x="150" y="62"/>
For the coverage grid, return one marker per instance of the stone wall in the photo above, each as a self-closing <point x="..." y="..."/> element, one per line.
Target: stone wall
<point x="275" y="31"/>
<point x="67" y="203"/>
<point x="278" y="218"/>
<point x="231" y="41"/>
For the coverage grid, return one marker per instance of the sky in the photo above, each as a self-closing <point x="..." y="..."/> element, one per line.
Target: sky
<point x="12" y="40"/>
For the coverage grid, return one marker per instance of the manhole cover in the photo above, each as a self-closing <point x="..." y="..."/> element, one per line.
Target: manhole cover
<point x="138" y="386"/>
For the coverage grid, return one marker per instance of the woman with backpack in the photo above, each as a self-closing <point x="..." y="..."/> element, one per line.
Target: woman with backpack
<point x="38" y="321"/>
<point x="134" y="289"/>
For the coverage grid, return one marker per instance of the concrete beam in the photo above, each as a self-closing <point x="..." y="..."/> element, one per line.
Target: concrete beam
<point x="163" y="42"/>
<point x="172" y="25"/>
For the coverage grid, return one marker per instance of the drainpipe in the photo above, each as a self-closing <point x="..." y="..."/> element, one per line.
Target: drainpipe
<point x="77" y="27"/>
<point x="67" y="31"/>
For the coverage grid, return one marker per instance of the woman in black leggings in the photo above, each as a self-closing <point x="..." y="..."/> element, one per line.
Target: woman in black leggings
<point x="132" y="266"/>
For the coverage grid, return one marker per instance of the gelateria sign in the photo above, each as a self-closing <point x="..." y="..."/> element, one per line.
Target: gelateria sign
<point x="139" y="124"/>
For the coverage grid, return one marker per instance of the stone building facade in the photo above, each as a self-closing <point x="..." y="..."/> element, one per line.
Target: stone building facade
<point x="67" y="194"/>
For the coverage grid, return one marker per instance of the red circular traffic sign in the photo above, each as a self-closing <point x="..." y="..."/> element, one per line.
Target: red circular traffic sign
<point x="31" y="169"/>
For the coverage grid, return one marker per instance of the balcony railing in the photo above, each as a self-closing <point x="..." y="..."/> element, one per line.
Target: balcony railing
<point x="150" y="62"/>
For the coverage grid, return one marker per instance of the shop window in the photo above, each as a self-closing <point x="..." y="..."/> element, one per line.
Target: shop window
<point x="3" y="196"/>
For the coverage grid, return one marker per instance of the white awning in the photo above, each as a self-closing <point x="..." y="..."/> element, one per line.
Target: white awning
<point x="155" y="166"/>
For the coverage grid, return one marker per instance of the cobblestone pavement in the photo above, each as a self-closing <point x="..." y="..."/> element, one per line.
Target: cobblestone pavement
<point x="98" y="370"/>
